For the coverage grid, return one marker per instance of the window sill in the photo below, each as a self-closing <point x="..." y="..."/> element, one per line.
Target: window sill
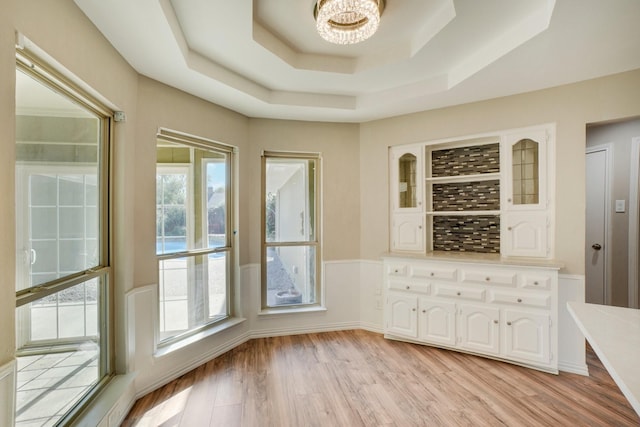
<point x="278" y="311"/>
<point x="187" y="341"/>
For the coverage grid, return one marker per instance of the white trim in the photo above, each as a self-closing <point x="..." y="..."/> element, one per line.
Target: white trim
<point x="634" y="235"/>
<point x="608" y="149"/>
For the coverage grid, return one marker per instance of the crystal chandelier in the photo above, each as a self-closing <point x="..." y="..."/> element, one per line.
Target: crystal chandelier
<point x="347" y="21"/>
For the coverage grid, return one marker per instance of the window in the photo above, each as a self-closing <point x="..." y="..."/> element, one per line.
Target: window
<point x="291" y="246"/>
<point x="194" y="237"/>
<point x="62" y="245"/>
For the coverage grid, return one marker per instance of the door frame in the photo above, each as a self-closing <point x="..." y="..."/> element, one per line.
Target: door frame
<point x="608" y="150"/>
<point x="634" y="229"/>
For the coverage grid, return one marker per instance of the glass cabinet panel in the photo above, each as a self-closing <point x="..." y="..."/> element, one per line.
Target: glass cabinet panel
<point x="407" y="166"/>
<point x="525" y="172"/>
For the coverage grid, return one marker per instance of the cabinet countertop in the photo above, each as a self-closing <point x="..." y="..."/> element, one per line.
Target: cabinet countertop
<point x="479" y="258"/>
<point x="614" y="334"/>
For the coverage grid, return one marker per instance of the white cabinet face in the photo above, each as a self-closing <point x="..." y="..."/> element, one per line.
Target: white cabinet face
<point x="437" y="321"/>
<point x="480" y="328"/>
<point x="406" y="178"/>
<point x="525" y="234"/>
<point x="407" y="233"/>
<point x="526" y="336"/>
<point x="402" y="315"/>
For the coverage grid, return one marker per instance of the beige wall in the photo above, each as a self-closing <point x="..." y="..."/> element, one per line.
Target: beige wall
<point x="571" y="107"/>
<point x="338" y="144"/>
<point x="619" y="135"/>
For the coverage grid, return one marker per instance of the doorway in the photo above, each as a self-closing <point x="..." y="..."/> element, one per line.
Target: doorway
<point x="598" y="169"/>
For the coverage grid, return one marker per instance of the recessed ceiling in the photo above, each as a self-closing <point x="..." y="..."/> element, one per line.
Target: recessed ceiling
<point x="263" y="58"/>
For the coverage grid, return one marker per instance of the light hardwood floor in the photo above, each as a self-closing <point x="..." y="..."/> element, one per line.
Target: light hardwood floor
<point x="357" y="378"/>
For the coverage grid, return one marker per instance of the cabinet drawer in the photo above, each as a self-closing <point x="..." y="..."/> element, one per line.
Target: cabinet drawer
<point x="501" y="278"/>
<point x="430" y="272"/>
<point x="397" y="269"/>
<point x="531" y="281"/>
<point x="474" y="294"/>
<point x="538" y="301"/>
<point x="412" y="286"/>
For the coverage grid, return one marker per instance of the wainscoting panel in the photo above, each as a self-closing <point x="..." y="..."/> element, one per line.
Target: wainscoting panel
<point x="7" y="393"/>
<point x="571" y="342"/>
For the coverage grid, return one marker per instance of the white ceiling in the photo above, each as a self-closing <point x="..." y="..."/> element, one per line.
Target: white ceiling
<point x="263" y="58"/>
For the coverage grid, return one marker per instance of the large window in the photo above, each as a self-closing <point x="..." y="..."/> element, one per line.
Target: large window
<point x="62" y="238"/>
<point x="194" y="236"/>
<point x="291" y="245"/>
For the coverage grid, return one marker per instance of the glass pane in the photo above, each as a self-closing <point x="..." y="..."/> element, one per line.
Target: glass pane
<point x="290" y="198"/>
<point x="407" y="181"/>
<point x="193" y="292"/>
<point x="216" y="203"/>
<point x="171" y="219"/>
<point x="291" y="275"/>
<point x="525" y="172"/>
<point x="51" y="378"/>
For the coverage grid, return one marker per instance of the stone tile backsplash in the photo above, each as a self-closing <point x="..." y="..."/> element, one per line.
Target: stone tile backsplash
<point x="470" y="160"/>
<point x="467" y="233"/>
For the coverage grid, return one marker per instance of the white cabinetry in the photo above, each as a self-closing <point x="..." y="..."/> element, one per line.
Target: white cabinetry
<point x="490" y="193"/>
<point x="407" y="198"/>
<point x="527" y="200"/>
<point x="500" y="311"/>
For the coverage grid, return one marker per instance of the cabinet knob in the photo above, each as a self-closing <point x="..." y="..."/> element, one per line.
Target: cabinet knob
<point x="419" y="227"/>
<point x="424" y="311"/>
<point x="432" y="274"/>
<point x="508" y="323"/>
<point x="458" y="293"/>
<point x="519" y="299"/>
<point x="495" y="321"/>
<point x="509" y="200"/>
<point x="535" y="283"/>
<point x="509" y="228"/>
<point x="487" y="279"/>
<point x="413" y="309"/>
<point x="408" y="287"/>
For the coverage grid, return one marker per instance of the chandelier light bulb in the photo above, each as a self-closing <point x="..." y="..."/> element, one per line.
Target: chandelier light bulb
<point x="347" y="21"/>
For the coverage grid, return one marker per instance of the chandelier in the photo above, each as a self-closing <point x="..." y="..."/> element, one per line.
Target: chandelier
<point x="347" y="21"/>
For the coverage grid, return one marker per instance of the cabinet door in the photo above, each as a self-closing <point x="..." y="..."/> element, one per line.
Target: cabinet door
<point x="437" y="321"/>
<point x="402" y="315"/>
<point x="407" y="232"/>
<point x="525" y="234"/>
<point x="527" y="336"/>
<point x="406" y="178"/>
<point x="479" y="328"/>
<point x="526" y="169"/>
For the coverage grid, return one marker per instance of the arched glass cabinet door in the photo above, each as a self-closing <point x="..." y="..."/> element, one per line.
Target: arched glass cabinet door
<point x="407" y="181"/>
<point x="525" y="156"/>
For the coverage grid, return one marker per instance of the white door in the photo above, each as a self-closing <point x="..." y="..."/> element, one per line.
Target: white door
<point x="526" y="336"/>
<point x="596" y="226"/>
<point x="480" y="329"/>
<point x="437" y="322"/>
<point x="402" y="315"/>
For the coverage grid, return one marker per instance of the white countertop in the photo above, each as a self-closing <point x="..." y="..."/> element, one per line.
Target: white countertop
<point x="475" y="257"/>
<point x="614" y="334"/>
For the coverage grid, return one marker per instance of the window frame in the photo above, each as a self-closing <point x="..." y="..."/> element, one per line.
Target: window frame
<point x="196" y="142"/>
<point x="316" y="242"/>
<point x="33" y="65"/>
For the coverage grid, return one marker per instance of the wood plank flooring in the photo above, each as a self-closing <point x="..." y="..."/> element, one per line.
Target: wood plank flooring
<point x="357" y="378"/>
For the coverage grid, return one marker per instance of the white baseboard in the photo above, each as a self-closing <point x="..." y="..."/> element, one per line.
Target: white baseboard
<point x="574" y="369"/>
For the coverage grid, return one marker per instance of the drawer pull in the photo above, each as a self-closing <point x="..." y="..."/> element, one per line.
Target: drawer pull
<point x="487" y="279"/>
<point x="413" y="309"/>
<point x="519" y="299"/>
<point x="396" y="271"/>
<point x="508" y="323"/>
<point x="535" y="283"/>
<point x="432" y="274"/>
<point x="495" y="321"/>
<point x="408" y="287"/>
<point x="424" y="311"/>
<point x="458" y="293"/>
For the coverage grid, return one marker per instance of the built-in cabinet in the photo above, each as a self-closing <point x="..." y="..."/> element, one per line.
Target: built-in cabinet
<point x="488" y="194"/>
<point x="501" y="311"/>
